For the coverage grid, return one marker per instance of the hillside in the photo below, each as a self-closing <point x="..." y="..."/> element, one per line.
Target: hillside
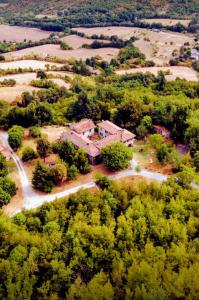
<point x="113" y="8"/>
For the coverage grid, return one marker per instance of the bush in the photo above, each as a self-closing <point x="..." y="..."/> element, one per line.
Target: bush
<point x="3" y="166"/>
<point x="8" y="186"/>
<point x="15" y="135"/>
<point x="42" y="178"/>
<point x="4" y="197"/>
<point x="116" y="156"/>
<point x="35" y="132"/>
<point x="72" y="172"/>
<point x="28" y="154"/>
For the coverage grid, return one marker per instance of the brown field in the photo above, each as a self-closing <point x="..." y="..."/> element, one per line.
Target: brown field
<point x="34" y="64"/>
<point x="176" y="71"/>
<point x="53" y="132"/>
<point x="76" y="41"/>
<point x="54" y="50"/>
<point x="19" y="34"/>
<point x="157" y="46"/>
<point x="26" y="78"/>
<point x="168" y="22"/>
<point x="9" y="94"/>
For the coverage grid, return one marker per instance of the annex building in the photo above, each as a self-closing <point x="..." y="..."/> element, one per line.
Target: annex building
<point x="82" y="134"/>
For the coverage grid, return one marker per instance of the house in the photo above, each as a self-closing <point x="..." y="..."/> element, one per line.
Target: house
<point x="85" y="127"/>
<point x="163" y="131"/>
<point x="195" y="54"/>
<point x="109" y="133"/>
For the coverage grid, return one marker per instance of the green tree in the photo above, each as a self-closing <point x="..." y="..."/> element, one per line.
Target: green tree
<point x="4" y="197"/>
<point x="42" y="178"/>
<point x="81" y="161"/>
<point x="66" y="151"/>
<point x="3" y="166"/>
<point x="28" y="154"/>
<point x="72" y="172"/>
<point x="41" y="74"/>
<point x="15" y="136"/>
<point x="116" y="156"/>
<point x="43" y="147"/>
<point x="59" y="173"/>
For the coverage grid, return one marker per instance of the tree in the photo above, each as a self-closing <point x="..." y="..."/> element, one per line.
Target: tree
<point x="43" y="147"/>
<point x="196" y="160"/>
<point x="15" y="136"/>
<point x="72" y="172"/>
<point x="41" y="74"/>
<point x="8" y="186"/>
<point x="28" y="154"/>
<point x="4" y="197"/>
<point x="42" y="178"/>
<point x="161" y="81"/>
<point x="59" y="173"/>
<point x="3" y="166"/>
<point x="81" y="161"/>
<point x="116" y="156"/>
<point x="66" y="151"/>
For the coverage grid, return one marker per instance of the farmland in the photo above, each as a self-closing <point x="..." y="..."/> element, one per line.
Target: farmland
<point x="34" y="64"/>
<point x="167" y="22"/>
<point x="174" y="72"/>
<point x="19" y="34"/>
<point x="56" y="51"/>
<point x="157" y="46"/>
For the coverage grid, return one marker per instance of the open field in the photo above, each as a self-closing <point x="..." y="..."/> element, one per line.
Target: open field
<point x="19" y="34"/>
<point x="55" y="50"/>
<point x="76" y="41"/>
<point x="168" y="22"/>
<point x="9" y="94"/>
<point x="157" y="46"/>
<point x="34" y="64"/>
<point x="26" y="78"/>
<point x="176" y="71"/>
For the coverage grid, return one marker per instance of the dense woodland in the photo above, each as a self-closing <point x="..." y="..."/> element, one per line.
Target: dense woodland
<point x="126" y="241"/>
<point x="85" y="13"/>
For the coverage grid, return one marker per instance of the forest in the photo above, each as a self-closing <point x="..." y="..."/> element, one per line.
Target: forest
<point x="124" y="241"/>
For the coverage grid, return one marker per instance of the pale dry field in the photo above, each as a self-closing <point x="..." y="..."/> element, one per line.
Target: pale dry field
<point x="168" y="22"/>
<point x="9" y="94"/>
<point x="76" y="41"/>
<point x="26" y="78"/>
<point x="157" y="46"/>
<point x="34" y="64"/>
<point x="53" y="132"/>
<point x="176" y="71"/>
<point x="56" y="51"/>
<point x="19" y="34"/>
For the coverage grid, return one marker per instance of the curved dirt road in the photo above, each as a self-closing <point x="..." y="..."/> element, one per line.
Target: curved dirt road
<point x="33" y="200"/>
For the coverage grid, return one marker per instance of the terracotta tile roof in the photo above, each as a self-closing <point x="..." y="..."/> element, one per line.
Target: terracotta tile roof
<point x="81" y="141"/>
<point x="161" y="128"/>
<point x="122" y="135"/>
<point x="109" y="127"/>
<point x="83" y="125"/>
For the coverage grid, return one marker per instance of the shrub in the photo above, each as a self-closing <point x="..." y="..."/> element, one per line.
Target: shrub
<point x="8" y="186"/>
<point x="28" y="154"/>
<point x="35" y="132"/>
<point x="116" y="156"/>
<point x="4" y="197"/>
<point x="72" y="172"/>
<point x="15" y="135"/>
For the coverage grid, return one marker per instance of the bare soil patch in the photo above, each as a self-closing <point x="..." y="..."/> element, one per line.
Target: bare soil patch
<point x="157" y="46"/>
<point x="176" y="71"/>
<point x="9" y="94"/>
<point x="19" y="34"/>
<point x="56" y="51"/>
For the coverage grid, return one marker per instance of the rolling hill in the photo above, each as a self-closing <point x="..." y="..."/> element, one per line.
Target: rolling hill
<point x="171" y="8"/>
